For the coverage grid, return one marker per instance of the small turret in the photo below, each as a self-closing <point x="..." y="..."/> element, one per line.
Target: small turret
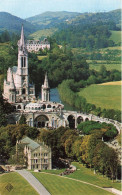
<point x="46" y="90"/>
<point x="12" y="86"/>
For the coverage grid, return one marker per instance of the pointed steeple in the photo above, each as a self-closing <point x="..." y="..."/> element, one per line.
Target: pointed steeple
<point x="46" y="84"/>
<point x="22" y="41"/>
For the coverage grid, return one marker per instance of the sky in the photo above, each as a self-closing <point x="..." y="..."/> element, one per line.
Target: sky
<point x="28" y="8"/>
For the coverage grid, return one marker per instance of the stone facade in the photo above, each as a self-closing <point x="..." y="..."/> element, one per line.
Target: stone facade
<point x="36" y="45"/>
<point x="36" y="154"/>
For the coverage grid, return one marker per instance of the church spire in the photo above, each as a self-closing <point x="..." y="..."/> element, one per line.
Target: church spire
<point x="22" y="41"/>
<point x="46" y="84"/>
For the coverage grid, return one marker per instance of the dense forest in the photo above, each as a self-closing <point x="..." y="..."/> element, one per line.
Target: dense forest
<point x="90" y="36"/>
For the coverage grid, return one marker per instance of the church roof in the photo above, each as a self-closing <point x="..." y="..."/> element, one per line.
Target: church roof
<point x="31" y="144"/>
<point x="14" y="69"/>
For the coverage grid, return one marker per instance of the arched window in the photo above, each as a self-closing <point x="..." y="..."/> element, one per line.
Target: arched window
<point x="19" y="107"/>
<point x="79" y="119"/>
<point x="71" y="120"/>
<point x="48" y="106"/>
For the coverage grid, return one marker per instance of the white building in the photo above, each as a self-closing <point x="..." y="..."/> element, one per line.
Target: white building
<point x="17" y="89"/>
<point x="37" y="155"/>
<point x="36" y="45"/>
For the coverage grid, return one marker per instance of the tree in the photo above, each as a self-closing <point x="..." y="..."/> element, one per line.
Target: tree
<point x="84" y="149"/>
<point x="22" y="119"/>
<point x="3" y="120"/>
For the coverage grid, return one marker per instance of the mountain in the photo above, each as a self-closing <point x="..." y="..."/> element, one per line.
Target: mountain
<point x="104" y="17"/>
<point x="52" y="19"/>
<point x="13" y="24"/>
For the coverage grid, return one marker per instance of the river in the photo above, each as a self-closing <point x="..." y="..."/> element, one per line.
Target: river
<point x="55" y="97"/>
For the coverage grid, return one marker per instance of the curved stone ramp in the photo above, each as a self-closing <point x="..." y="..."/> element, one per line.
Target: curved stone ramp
<point x="33" y="182"/>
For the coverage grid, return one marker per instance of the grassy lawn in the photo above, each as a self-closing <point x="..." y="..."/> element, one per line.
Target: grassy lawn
<point x="63" y="186"/>
<point x="110" y="66"/>
<point x="58" y="171"/>
<point x="20" y="185"/>
<point x="104" y="96"/>
<point x="41" y="57"/>
<point x="86" y="174"/>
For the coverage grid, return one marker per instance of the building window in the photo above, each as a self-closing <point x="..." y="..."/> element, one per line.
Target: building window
<point x="21" y="61"/>
<point x="45" y="154"/>
<point x="24" y="61"/>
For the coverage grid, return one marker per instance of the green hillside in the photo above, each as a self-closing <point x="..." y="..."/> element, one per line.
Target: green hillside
<point x="43" y="33"/>
<point x="104" y="96"/>
<point x="13" y="24"/>
<point x="63" y="186"/>
<point x="51" y="19"/>
<point x="116" y="36"/>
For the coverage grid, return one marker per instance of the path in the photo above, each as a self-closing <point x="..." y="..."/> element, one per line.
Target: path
<point x="112" y="190"/>
<point x="33" y="182"/>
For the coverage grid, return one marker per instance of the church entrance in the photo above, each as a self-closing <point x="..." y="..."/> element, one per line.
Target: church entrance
<point x="71" y="120"/>
<point x="23" y="91"/>
<point x="41" y="121"/>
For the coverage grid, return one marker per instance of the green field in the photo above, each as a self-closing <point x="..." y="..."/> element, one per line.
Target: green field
<point x="20" y="185"/>
<point x="96" y="64"/>
<point x="57" y="185"/>
<point x="116" y="36"/>
<point x="43" y="33"/>
<point x="87" y="175"/>
<point x="104" y="96"/>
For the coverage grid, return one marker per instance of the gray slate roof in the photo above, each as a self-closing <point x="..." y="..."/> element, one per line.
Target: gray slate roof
<point x="14" y="69"/>
<point x="31" y="144"/>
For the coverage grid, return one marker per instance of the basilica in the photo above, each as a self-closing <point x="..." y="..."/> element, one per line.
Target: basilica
<point x="17" y="89"/>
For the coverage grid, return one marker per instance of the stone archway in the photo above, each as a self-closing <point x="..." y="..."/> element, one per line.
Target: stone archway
<point x="71" y="120"/>
<point x="79" y="119"/>
<point x="41" y="121"/>
<point x="86" y="119"/>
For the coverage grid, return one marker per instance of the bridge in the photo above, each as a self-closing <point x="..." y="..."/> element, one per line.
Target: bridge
<point x="57" y="118"/>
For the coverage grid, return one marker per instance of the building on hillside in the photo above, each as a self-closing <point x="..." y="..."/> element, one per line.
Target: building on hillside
<point x="36" y="45"/>
<point x="36" y="155"/>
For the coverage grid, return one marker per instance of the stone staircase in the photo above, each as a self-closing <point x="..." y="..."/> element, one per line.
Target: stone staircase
<point x="33" y="182"/>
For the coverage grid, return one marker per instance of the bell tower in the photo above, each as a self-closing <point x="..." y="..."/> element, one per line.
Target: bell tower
<point x="22" y="73"/>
